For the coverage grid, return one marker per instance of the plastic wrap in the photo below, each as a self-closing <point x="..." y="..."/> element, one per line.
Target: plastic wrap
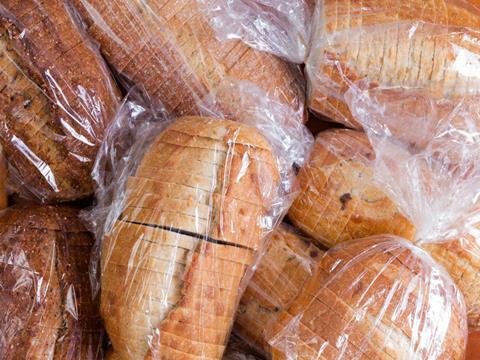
<point x="56" y="99"/>
<point x="280" y="27"/>
<point x="280" y="277"/>
<point x="419" y="48"/>
<point x="45" y="293"/>
<point x="378" y="297"/>
<point x="184" y="210"/>
<point x="169" y="49"/>
<point x="339" y="200"/>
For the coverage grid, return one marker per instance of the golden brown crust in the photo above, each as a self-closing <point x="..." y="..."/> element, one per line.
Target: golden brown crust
<point x="279" y="278"/>
<point x="174" y="262"/>
<point x="45" y="286"/>
<point x="373" y="298"/>
<point x="169" y="48"/>
<point x="415" y="45"/>
<point x="57" y="98"/>
<point x="339" y="200"/>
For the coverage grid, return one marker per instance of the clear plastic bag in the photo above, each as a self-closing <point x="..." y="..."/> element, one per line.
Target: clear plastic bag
<point x="184" y="209"/>
<point x="45" y="292"/>
<point x="169" y="49"/>
<point x="57" y="97"/>
<point x="280" y="27"/>
<point x="378" y="297"/>
<point x="279" y="279"/>
<point x="426" y="49"/>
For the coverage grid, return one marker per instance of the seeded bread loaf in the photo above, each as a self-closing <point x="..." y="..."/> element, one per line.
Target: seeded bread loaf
<point x="279" y="279"/>
<point x="191" y="224"/>
<point x="375" y="298"/>
<point x="338" y="200"/>
<point x="47" y="311"/>
<point x="428" y="47"/>
<point x="56" y="99"/>
<point x="169" y="48"/>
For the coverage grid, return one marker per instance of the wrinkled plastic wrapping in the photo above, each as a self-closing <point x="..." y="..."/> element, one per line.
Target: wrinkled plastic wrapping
<point x="280" y="277"/>
<point x="57" y="97"/>
<point x="421" y="49"/>
<point x="169" y="49"/>
<point x="378" y="297"/>
<point x="184" y="210"/>
<point x="45" y="293"/>
<point x="280" y="27"/>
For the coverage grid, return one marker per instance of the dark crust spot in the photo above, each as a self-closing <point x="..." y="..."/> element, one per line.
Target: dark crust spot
<point x="313" y="253"/>
<point x="344" y="199"/>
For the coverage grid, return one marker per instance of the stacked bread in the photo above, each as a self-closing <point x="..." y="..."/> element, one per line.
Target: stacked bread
<point x="169" y="48"/>
<point x="422" y="48"/>
<point x="376" y="298"/>
<point x="279" y="279"/>
<point x="56" y="99"/>
<point x="191" y="224"/>
<point x="338" y="199"/>
<point x="47" y="311"/>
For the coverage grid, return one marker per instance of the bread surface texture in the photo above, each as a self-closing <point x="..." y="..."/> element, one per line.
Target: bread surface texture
<point x="47" y="306"/>
<point x="57" y="98"/>
<point x="191" y="225"/>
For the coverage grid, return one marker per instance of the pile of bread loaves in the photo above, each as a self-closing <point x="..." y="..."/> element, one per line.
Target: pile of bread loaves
<point x="162" y="195"/>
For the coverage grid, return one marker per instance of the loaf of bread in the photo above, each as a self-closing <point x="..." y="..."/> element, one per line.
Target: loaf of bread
<point x="430" y="48"/>
<point x="46" y="298"/>
<point x="338" y="200"/>
<point x="169" y="48"/>
<point x="56" y="99"/>
<point x="193" y="218"/>
<point x="375" y="298"/>
<point x="3" y="181"/>
<point x="282" y="273"/>
<point x="473" y="346"/>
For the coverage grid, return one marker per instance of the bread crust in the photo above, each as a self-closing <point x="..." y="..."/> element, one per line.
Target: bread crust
<point x="169" y="48"/>
<point x="174" y="263"/>
<point x="47" y="304"/>
<point x="57" y="98"/>
<point x="416" y="46"/>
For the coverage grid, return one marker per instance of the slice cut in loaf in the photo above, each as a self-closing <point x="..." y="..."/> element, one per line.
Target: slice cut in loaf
<point x="427" y="47"/>
<point x="169" y="48"/>
<point x="192" y="222"/>
<point x="338" y="200"/>
<point x="47" y="307"/>
<point x="374" y="298"/>
<point x="279" y="279"/>
<point x="57" y="97"/>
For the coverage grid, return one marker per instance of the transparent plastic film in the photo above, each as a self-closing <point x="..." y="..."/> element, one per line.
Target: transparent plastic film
<point x="430" y="49"/>
<point x="378" y="297"/>
<point x="57" y="97"/>
<point x="47" y="306"/>
<point x="169" y="49"/>
<point x="184" y="211"/>
<point x="278" y="27"/>
<point x="279" y="279"/>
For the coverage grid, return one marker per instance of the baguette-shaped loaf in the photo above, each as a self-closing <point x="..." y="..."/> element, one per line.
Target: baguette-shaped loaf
<point x="169" y="48"/>
<point x="428" y="47"/>
<point x="191" y="225"/>
<point x="339" y="200"/>
<point x="47" y="311"/>
<point x="375" y="298"/>
<point x="56" y="99"/>
<point x="279" y="279"/>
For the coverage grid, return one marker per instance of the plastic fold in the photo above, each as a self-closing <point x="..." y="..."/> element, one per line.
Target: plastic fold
<point x="57" y="97"/>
